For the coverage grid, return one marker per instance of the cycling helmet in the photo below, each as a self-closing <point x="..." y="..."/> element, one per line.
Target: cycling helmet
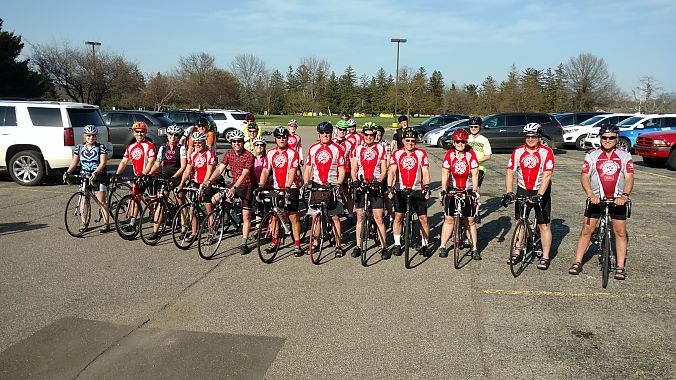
<point x="369" y="126"/>
<point x="460" y="135"/>
<point x="202" y="121"/>
<point x="174" y="129"/>
<point x="324" y="126"/>
<point x="351" y="123"/>
<point x="249" y="117"/>
<point x="234" y="134"/>
<point x="475" y="120"/>
<point x="342" y="125"/>
<point x="408" y="133"/>
<point x="608" y="128"/>
<point x="259" y="140"/>
<point x="345" y="116"/>
<point x="90" y="130"/>
<point x="199" y="136"/>
<point x="380" y="129"/>
<point x="292" y="122"/>
<point x="402" y="118"/>
<point x="252" y="126"/>
<point x="532" y="129"/>
<point x="139" y="126"/>
<point x="280" y="132"/>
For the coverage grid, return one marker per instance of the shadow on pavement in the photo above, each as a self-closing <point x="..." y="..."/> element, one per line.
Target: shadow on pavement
<point x="16" y="227"/>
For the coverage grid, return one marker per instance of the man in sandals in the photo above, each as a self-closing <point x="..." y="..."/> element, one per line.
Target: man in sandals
<point x="607" y="172"/>
<point x="533" y="164"/>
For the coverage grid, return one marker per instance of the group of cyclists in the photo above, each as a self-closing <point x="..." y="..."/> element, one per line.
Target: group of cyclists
<point x="357" y="166"/>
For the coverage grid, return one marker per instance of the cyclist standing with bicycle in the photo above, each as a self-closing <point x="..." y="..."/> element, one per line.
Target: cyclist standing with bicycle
<point x="348" y="147"/>
<point x="326" y="167"/>
<point x="92" y="157"/>
<point x="172" y="159"/>
<point x="200" y="166"/>
<point x="241" y="164"/>
<point x="533" y="164"/>
<point x="607" y="173"/>
<point x="252" y="132"/>
<point x="201" y="125"/>
<point x="283" y="163"/>
<point x="409" y="171"/>
<point x="369" y="164"/>
<point x="295" y="140"/>
<point x="462" y="166"/>
<point x="480" y="145"/>
<point x="355" y="137"/>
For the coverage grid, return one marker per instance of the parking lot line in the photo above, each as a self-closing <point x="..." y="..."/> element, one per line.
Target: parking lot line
<point x="37" y="190"/>
<point x="655" y="174"/>
<point x="544" y="293"/>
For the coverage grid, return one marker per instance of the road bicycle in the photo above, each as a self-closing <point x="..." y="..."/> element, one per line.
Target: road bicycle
<point x="188" y="218"/>
<point x="321" y="199"/>
<point x="127" y="213"/>
<point x="369" y="228"/>
<point x="408" y="226"/>
<point x="227" y="214"/>
<point x="526" y="244"/>
<point x="461" y="246"/>
<point x="275" y="226"/>
<point x="602" y="239"/>
<point x="158" y="213"/>
<point x="77" y="214"/>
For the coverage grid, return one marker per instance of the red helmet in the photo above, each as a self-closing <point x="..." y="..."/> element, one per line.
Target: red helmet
<point x="139" y="126"/>
<point x="460" y="135"/>
<point x="249" y="116"/>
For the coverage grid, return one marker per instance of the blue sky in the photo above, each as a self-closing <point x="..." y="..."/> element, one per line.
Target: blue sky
<point x="465" y="40"/>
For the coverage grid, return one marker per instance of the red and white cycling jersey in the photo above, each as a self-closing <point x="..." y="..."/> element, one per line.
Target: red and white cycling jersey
<point x="369" y="159"/>
<point x="409" y="168"/>
<point x="325" y="161"/>
<point x="607" y="174"/>
<point x="348" y="147"/>
<point x="530" y="167"/>
<point x="139" y="153"/>
<point x="356" y="139"/>
<point x="460" y="168"/>
<point x="200" y="163"/>
<point x="294" y="142"/>
<point x="280" y="163"/>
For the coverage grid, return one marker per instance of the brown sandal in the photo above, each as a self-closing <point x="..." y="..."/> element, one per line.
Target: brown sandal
<point x="575" y="269"/>
<point x="543" y="264"/>
<point x="620" y="273"/>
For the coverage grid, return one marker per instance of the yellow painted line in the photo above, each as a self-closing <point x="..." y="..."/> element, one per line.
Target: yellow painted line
<point x="655" y="174"/>
<point x="543" y="293"/>
<point x="38" y="191"/>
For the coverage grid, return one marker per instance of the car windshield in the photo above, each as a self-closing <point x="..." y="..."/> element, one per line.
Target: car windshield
<point x="632" y="120"/>
<point x="429" y="121"/>
<point x="238" y="116"/>
<point x="593" y="120"/>
<point x="82" y="117"/>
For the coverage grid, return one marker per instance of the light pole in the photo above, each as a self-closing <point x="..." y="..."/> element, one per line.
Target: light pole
<point x="396" y="80"/>
<point x="94" y="45"/>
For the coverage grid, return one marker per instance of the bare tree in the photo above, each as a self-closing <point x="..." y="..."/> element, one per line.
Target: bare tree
<point x="646" y="94"/>
<point x="589" y="81"/>
<point x="312" y="73"/>
<point x="251" y="74"/>
<point x="196" y="67"/>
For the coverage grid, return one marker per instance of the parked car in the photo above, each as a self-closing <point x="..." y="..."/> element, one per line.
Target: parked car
<point x="188" y="118"/>
<point x="432" y="137"/>
<point x="227" y="120"/>
<point x="631" y="127"/>
<point x="505" y="130"/>
<point x="657" y="148"/>
<point x="574" y="135"/>
<point x="574" y="118"/>
<point x="119" y="124"/>
<point x="38" y="136"/>
<point x="435" y="122"/>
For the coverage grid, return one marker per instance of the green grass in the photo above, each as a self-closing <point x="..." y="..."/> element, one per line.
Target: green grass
<point x="311" y="121"/>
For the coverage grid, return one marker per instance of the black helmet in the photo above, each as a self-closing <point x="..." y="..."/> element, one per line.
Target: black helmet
<point x="475" y="120"/>
<point x="380" y="129"/>
<point x="402" y="118"/>
<point x="408" y="133"/>
<point x="280" y="132"/>
<point x="608" y="128"/>
<point x="324" y="126"/>
<point x="345" y="116"/>
<point x="202" y="121"/>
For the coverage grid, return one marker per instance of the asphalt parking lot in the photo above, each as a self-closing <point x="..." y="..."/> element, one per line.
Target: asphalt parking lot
<point x="101" y="307"/>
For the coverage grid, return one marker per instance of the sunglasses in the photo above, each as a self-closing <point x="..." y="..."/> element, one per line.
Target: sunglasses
<point x="475" y="126"/>
<point x="410" y="141"/>
<point x="236" y="142"/>
<point x="459" y="142"/>
<point x="140" y="132"/>
<point x="324" y="133"/>
<point x="609" y="138"/>
<point x="259" y="145"/>
<point x="281" y="137"/>
<point x="369" y="134"/>
<point x="198" y="142"/>
<point x="532" y="137"/>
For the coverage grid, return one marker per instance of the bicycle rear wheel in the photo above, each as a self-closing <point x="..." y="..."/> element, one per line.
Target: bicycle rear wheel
<point x="78" y="214"/>
<point x="304" y="219"/>
<point x="407" y="239"/>
<point x="181" y="227"/>
<point x="152" y="222"/>
<point x="210" y="234"/>
<point x="268" y="240"/>
<point x="605" y="257"/>
<point x="519" y="244"/>
<point x="115" y="194"/>
<point x="127" y="211"/>
<point x="317" y="235"/>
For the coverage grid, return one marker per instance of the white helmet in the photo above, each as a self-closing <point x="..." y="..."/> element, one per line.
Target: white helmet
<point x="351" y="123"/>
<point x="532" y="129"/>
<point x="174" y="129"/>
<point x="199" y="136"/>
<point x="235" y="134"/>
<point x="259" y="140"/>
<point x="292" y="122"/>
<point x="90" y="130"/>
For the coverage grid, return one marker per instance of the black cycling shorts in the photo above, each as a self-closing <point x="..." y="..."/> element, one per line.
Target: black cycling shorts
<point x="481" y="177"/>
<point x="293" y="200"/>
<point x="376" y="200"/>
<point x="468" y="207"/>
<point x="417" y="200"/>
<point x="543" y="215"/>
<point x="616" y="212"/>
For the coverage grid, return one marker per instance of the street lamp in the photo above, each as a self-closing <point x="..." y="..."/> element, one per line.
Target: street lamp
<point x="396" y="80"/>
<point x="94" y="45"/>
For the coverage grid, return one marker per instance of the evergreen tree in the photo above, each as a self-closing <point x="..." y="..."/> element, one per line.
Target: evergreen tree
<point x="17" y="79"/>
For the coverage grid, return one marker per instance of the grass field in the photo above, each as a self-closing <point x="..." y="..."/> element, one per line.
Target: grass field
<point x="311" y="121"/>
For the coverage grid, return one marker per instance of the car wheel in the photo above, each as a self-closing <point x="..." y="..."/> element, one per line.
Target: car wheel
<point x="671" y="161"/>
<point x="546" y="141"/>
<point x="27" y="168"/>
<point x="653" y="162"/>
<point x="579" y="143"/>
<point x="624" y="144"/>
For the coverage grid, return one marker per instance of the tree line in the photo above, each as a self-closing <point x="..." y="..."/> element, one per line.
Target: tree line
<point x="101" y="77"/>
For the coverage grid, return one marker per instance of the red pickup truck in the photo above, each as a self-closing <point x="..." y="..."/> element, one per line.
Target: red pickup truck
<point x="657" y="148"/>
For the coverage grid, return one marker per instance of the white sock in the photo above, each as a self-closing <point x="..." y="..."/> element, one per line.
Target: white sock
<point x="424" y="242"/>
<point x="397" y="239"/>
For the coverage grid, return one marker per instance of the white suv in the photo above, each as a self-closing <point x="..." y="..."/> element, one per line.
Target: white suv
<point x="576" y="134"/>
<point x="38" y="136"/>
<point x="228" y="120"/>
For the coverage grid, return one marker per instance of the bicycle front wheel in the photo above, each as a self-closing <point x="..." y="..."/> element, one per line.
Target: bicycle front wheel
<point x="407" y="239"/>
<point x="115" y="194"/>
<point x="366" y="227"/>
<point x="152" y="222"/>
<point x="458" y="241"/>
<point x="78" y="214"/>
<point x="181" y="227"/>
<point x="605" y="257"/>
<point x="127" y="211"/>
<point x="317" y="235"/>
<point x="210" y="234"/>
<point x="268" y="237"/>
<point x="518" y="253"/>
